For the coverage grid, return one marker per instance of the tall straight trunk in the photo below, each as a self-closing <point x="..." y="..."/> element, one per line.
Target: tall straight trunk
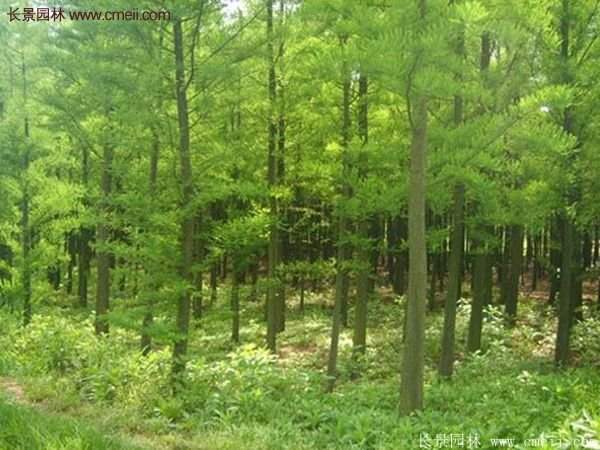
<point x="482" y="294"/>
<point x="254" y="282"/>
<point x="84" y="237"/>
<point x="375" y="234"/>
<point x="284" y="237"/>
<point x="399" y="257"/>
<point x="83" y="265"/>
<point x="457" y="243"/>
<point x="72" y="252"/>
<point x="359" y="340"/>
<point x="187" y="221"/>
<point x="341" y="277"/>
<point x="391" y="243"/>
<point x="347" y="250"/>
<point x="103" y="237"/>
<point x="274" y="246"/>
<point x="555" y="258"/>
<point x="563" y="335"/>
<point x="146" y="338"/>
<point x="514" y="272"/>
<point x="505" y="264"/>
<point x="454" y="282"/>
<point x="536" y="242"/>
<point x="482" y="261"/>
<point x="586" y="255"/>
<point x="436" y="261"/>
<point x="413" y="361"/>
<point x="528" y="252"/>
<point x="235" y="306"/>
<point x="568" y="270"/>
<point x="596" y="256"/>
<point x="198" y="281"/>
<point x="25" y="210"/>
<point x="577" y="300"/>
<point x="213" y="282"/>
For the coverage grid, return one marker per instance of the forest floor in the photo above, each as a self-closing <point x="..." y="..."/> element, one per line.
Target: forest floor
<point x="63" y="388"/>
<point x="28" y="426"/>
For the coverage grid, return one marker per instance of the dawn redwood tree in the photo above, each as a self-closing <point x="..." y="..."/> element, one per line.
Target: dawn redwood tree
<point x="359" y="339"/>
<point x="273" y="255"/>
<point x="457" y="239"/>
<point x="187" y="189"/>
<point x="103" y="282"/>
<point x="411" y="386"/>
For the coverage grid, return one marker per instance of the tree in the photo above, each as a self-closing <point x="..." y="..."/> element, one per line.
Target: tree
<point x="411" y="387"/>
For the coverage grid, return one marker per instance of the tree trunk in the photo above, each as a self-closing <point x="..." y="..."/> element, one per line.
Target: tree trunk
<point x="103" y="237"/>
<point x="359" y="340"/>
<point x="454" y="282"/>
<point x="555" y="258"/>
<point x="411" y="386"/>
<point x="274" y="246"/>
<point x="235" y="306"/>
<point x="146" y="338"/>
<point x="514" y="272"/>
<point x="563" y="335"/>
<point x="25" y="210"/>
<point x="343" y="251"/>
<point x="482" y="294"/>
<point x="187" y="221"/>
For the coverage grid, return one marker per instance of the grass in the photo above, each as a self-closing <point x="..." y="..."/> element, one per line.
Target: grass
<point x="24" y="428"/>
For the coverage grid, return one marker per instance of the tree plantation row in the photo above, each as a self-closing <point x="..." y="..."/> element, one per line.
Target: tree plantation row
<point x="274" y="152"/>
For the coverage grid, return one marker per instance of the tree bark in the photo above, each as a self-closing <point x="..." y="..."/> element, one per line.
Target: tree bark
<point x="274" y="245"/>
<point x="359" y="340"/>
<point x="411" y="386"/>
<point x="343" y="250"/>
<point x="146" y="338"/>
<point x="514" y="272"/>
<point x="26" y="241"/>
<point x="454" y="282"/>
<point x="187" y="221"/>
<point x="103" y="238"/>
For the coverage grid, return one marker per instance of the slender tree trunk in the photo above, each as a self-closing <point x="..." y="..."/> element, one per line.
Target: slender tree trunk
<point x="457" y="244"/>
<point x="569" y="280"/>
<point x="411" y="386"/>
<point x="454" y="282"/>
<point x="274" y="246"/>
<point x="198" y="281"/>
<point x="283" y="244"/>
<point x="482" y="263"/>
<point x="235" y="306"/>
<point x="514" y="272"/>
<point x="187" y="221"/>
<point x="146" y="338"/>
<point x="213" y="283"/>
<point x="103" y="237"/>
<point x="85" y="236"/>
<point x="577" y="301"/>
<point x="72" y="251"/>
<point x="341" y="277"/>
<point x="555" y="258"/>
<point x="359" y="340"/>
<point x="25" y="210"/>
<point x="482" y="294"/>
<point x="596" y="256"/>
<point x="505" y="264"/>
<point x="563" y="335"/>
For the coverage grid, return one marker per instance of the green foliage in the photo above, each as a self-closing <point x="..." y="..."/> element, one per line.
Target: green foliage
<point x="249" y="397"/>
